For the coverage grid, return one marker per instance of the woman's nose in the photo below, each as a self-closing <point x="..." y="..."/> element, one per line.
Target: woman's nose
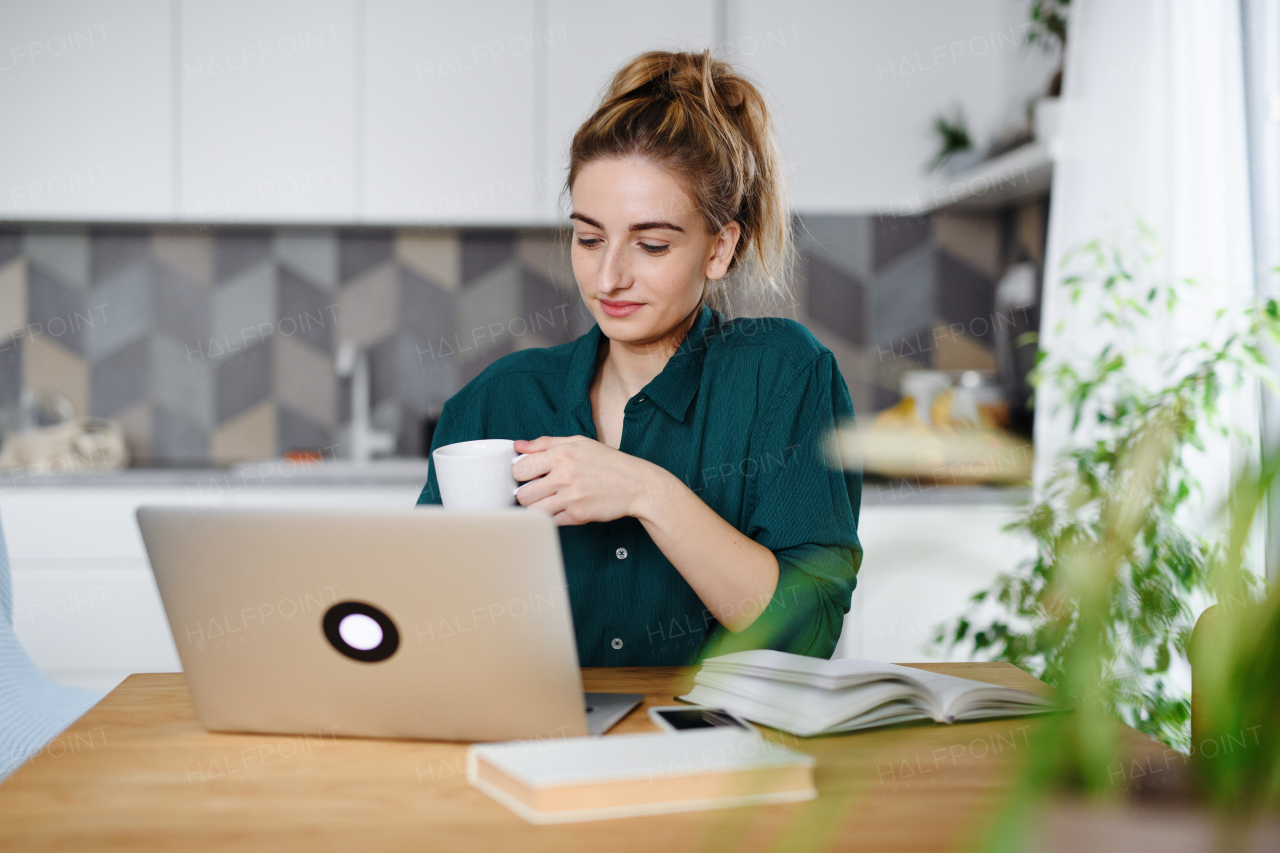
<point x="614" y="272"/>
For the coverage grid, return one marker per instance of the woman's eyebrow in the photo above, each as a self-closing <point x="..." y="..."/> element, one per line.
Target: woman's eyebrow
<point x="635" y="226"/>
<point x="649" y="226"/>
<point x="586" y="219"/>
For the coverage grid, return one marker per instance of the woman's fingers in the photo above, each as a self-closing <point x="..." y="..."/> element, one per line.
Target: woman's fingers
<point x="535" y="446"/>
<point x="553" y="505"/>
<point x="534" y="491"/>
<point x="534" y="465"/>
<point x="568" y="477"/>
<point x="562" y="507"/>
<point x="543" y="455"/>
<point x="546" y="442"/>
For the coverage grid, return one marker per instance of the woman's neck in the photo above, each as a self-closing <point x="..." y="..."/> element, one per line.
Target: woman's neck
<point x="628" y="367"/>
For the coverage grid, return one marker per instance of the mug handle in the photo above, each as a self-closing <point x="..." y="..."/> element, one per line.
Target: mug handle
<point x="517" y="489"/>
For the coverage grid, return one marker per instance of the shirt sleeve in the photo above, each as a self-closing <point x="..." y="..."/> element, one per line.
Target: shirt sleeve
<point x="805" y="510"/>
<point x="458" y="422"/>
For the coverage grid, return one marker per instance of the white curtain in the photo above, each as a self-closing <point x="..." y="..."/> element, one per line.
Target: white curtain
<point x="1261" y="25"/>
<point x="1153" y="126"/>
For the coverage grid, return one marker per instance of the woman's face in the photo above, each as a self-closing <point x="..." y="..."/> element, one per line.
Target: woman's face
<point x="641" y="254"/>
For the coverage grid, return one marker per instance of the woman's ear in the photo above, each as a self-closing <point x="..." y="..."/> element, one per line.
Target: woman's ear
<point x="722" y="249"/>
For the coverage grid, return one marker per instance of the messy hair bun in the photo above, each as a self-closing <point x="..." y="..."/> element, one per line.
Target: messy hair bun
<point x="701" y="120"/>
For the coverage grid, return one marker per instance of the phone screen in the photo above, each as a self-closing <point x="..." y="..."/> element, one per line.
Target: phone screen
<point x="700" y="718"/>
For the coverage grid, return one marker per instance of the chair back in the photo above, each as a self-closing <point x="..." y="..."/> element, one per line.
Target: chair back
<point x="6" y="585"/>
<point x="1204" y="627"/>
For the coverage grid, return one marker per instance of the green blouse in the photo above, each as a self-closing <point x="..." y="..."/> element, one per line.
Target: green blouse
<point x="739" y="414"/>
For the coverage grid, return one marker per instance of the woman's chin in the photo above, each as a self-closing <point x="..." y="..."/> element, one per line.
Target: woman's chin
<point x="623" y="332"/>
<point x="627" y="331"/>
<point x="642" y="327"/>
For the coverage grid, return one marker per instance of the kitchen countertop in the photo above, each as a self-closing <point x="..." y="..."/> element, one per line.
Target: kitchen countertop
<point x="413" y="471"/>
<point x="906" y="493"/>
<point x="272" y="472"/>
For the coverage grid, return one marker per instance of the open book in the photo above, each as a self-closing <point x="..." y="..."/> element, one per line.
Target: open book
<point x="809" y="696"/>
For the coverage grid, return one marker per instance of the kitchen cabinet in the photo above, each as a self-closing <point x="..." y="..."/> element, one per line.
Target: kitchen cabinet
<point x="85" y="603"/>
<point x="921" y="564"/>
<point x="87" y="100"/>
<point x="451" y="103"/>
<point x="267" y="123"/>
<point x="591" y="47"/>
<point x="87" y="610"/>
<point x="404" y="112"/>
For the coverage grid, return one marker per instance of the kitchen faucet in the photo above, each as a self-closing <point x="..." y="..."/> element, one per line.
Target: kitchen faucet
<point x="360" y="442"/>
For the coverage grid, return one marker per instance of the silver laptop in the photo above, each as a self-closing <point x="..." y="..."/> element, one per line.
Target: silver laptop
<point x="420" y="623"/>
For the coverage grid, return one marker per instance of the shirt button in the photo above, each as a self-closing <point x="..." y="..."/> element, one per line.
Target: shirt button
<point x="622" y="553"/>
<point x="640" y="399"/>
<point x="617" y="642"/>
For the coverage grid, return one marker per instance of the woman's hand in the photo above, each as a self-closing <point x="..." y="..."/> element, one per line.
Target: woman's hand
<point x="582" y="480"/>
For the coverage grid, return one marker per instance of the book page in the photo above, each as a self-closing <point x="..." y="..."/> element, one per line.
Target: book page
<point x="811" y="694"/>
<point x="797" y="708"/>
<point x="799" y="669"/>
<point x="963" y="698"/>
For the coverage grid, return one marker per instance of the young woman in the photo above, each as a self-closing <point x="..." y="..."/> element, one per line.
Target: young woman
<point x="683" y="454"/>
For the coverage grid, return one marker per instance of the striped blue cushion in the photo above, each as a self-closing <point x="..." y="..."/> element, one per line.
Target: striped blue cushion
<point x="33" y="709"/>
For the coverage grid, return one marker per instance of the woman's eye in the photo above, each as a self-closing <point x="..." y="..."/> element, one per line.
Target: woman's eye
<point x="653" y="250"/>
<point x="589" y="243"/>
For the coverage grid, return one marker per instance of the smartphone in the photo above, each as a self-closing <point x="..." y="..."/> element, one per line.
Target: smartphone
<point x="683" y="718"/>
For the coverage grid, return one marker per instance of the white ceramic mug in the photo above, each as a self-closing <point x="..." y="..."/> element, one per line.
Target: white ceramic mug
<point x="476" y="475"/>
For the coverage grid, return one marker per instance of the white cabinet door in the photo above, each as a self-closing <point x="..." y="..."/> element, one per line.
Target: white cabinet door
<point x="450" y="110"/>
<point x="85" y="603"/>
<point x="921" y="565"/>
<point x="267" y="124"/>
<point x="85" y="90"/>
<point x="592" y="46"/>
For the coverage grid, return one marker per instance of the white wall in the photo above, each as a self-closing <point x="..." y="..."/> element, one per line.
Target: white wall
<point x="855" y="85"/>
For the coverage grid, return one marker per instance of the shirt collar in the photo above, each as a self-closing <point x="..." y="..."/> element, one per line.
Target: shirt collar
<point x="672" y="390"/>
<point x="576" y="416"/>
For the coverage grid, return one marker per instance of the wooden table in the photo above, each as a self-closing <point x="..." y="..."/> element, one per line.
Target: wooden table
<point x="137" y="772"/>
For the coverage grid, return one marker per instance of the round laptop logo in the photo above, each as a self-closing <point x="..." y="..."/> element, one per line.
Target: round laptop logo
<point x="361" y="631"/>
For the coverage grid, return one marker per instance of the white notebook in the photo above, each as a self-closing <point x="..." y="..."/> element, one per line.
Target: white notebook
<point x="587" y="778"/>
<point x="810" y="696"/>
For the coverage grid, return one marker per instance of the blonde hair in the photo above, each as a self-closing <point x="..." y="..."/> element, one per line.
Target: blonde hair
<point x="702" y="121"/>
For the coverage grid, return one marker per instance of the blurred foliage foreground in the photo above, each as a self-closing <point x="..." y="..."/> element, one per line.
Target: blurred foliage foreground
<point x="1104" y="611"/>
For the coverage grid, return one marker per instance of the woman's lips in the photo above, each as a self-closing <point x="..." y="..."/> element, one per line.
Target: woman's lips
<point x="620" y="309"/>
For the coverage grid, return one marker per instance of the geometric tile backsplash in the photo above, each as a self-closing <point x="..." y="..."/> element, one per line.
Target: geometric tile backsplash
<point x="216" y="345"/>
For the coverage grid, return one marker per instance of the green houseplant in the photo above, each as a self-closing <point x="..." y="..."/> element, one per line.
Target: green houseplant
<point x="1048" y="25"/>
<point x="1078" y="771"/>
<point x="1117" y="502"/>
<point x="953" y="138"/>
<point x="1104" y="610"/>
